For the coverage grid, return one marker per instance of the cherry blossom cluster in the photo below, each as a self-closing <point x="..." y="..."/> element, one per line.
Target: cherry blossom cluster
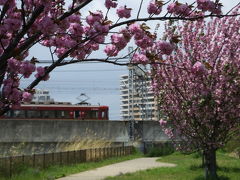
<point x="118" y="42"/>
<point x="155" y="7"/>
<point x="147" y="41"/>
<point x="207" y="5"/>
<point x="11" y="90"/>
<point x="110" y="4"/>
<point x="67" y="33"/>
<point x="179" y="9"/>
<point x="124" y="12"/>
<point x="13" y="94"/>
<point x="199" y="83"/>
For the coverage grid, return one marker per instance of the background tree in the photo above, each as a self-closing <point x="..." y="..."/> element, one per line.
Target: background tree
<point x="68" y="34"/>
<point x="199" y="86"/>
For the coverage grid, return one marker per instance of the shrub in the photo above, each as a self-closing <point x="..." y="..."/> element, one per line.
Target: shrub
<point x="163" y="150"/>
<point x="233" y="144"/>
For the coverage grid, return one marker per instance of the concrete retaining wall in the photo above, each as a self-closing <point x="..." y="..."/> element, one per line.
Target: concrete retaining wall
<point x="61" y="131"/>
<point x="68" y="130"/>
<point x="47" y="134"/>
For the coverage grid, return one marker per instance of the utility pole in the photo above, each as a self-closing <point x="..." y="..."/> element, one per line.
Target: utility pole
<point x="131" y="96"/>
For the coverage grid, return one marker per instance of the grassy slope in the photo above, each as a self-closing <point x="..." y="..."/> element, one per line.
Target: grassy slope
<point x="188" y="167"/>
<point x="54" y="172"/>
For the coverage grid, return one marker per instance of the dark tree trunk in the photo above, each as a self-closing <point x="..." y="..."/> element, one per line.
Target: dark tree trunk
<point x="203" y="159"/>
<point x="210" y="164"/>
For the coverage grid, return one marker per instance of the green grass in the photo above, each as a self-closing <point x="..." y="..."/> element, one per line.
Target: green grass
<point x="54" y="172"/>
<point x="188" y="168"/>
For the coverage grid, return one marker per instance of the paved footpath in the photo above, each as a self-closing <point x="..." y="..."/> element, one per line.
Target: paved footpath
<point x="118" y="169"/>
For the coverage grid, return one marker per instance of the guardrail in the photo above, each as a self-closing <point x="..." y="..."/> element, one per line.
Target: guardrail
<point x="8" y="164"/>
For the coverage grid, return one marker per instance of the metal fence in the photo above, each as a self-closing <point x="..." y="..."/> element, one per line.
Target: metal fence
<point x="9" y="164"/>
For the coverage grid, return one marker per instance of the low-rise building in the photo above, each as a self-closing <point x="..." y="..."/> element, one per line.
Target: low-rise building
<point x="42" y="96"/>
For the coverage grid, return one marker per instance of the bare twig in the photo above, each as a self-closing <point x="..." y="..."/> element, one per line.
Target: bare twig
<point x="50" y="49"/>
<point x="3" y="12"/>
<point x="23" y="13"/>
<point x="139" y="10"/>
<point x="169" y="18"/>
<point x="232" y="8"/>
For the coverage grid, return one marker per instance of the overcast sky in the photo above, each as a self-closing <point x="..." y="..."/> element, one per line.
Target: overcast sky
<point x="97" y="80"/>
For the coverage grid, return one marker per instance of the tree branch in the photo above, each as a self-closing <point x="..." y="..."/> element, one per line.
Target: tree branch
<point x="23" y="13"/>
<point x="139" y="10"/>
<point x="170" y="18"/>
<point x="10" y="49"/>
<point x="4" y="10"/>
<point x="74" y="10"/>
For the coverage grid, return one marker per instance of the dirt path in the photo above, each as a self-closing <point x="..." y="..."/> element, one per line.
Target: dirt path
<point x="118" y="168"/>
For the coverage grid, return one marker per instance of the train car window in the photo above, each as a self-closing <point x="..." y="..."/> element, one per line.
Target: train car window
<point x="87" y="114"/>
<point x="33" y="114"/>
<point x="103" y="114"/>
<point x="82" y="115"/>
<point x="59" y="114"/>
<point x="66" y="114"/>
<point x="96" y="115"/>
<point x="106" y="114"/>
<point x="18" y="114"/>
<point x="9" y="113"/>
<point x="76" y="114"/>
<point x="62" y="114"/>
<point x="48" y="114"/>
<point x="91" y="114"/>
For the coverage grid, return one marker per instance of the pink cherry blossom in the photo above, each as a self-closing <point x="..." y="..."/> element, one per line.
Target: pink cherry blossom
<point x="110" y="4"/>
<point x="135" y="28"/>
<point x="171" y="7"/>
<point x="207" y="5"/>
<point x="203" y="4"/>
<point x="144" y="42"/>
<point x="41" y="73"/>
<point x="183" y="10"/>
<point x="179" y="9"/>
<point x="119" y="41"/>
<point x="76" y="29"/>
<point x="111" y="50"/>
<point x="13" y="65"/>
<point x="153" y="8"/>
<point x="46" y="25"/>
<point x="199" y="68"/>
<point x="94" y="17"/>
<point x="162" y="122"/>
<point x="27" y="97"/>
<point x="165" y="47"/>
<point x="13" y="23"/>
<point x="74" y="19"/>
<point x="124" y="12"/>
<point x="2" y="2"/>
<point x="26" y="69"/>
<point x="100" y="27"/>
<point x="140" y="59"/>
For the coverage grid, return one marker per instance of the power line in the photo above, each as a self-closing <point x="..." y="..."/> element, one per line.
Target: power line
<point x="97" y="70"/>
<point x="73" y="88"/>
<point x="80" y="81"/>
<point x="121" y="60"/>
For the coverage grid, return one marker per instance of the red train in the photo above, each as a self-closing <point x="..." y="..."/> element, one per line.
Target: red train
<point x="58" y="110"/>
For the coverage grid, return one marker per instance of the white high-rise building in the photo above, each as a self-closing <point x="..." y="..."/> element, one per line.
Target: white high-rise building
<point x="137" y="100"/>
